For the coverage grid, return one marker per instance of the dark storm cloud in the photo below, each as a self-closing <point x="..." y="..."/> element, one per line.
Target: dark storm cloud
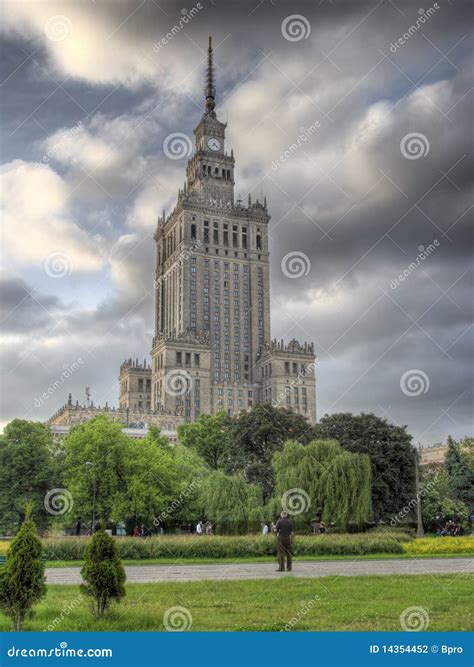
<point x="348" y="198"/>
<point x="22" y="309"/>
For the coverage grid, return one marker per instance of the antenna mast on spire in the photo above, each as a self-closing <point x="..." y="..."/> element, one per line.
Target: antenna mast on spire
<point x="210" y="88"/>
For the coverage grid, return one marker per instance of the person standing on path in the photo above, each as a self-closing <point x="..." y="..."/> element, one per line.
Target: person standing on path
<point x="284" y="531"/>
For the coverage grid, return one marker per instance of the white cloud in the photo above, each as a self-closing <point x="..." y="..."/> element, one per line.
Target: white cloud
<point x="37" y="222"/>
<point x="88" y="42"/>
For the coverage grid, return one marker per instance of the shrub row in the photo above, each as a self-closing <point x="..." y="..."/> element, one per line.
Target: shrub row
<point x="440" y="545"/>
<point x="72" y="548"/>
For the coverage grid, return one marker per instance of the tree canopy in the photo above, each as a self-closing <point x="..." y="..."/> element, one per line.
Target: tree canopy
<point x="460" y="472"/>
<point x="209" y="436"/>
<point x="27" y="472"/>
<point x="256" y="436"/>
<point x="233" y="505"/>
<point x="391" y="454"/>
<point x="322" y="480"/>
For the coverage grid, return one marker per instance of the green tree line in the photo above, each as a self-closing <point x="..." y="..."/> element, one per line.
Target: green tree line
<point x="236" y="472"/>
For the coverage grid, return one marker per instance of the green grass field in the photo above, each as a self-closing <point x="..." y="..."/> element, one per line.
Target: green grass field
<point x="355" y="603"/>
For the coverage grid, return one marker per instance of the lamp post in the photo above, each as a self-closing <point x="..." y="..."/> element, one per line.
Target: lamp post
<point x="419" y="530"/>
<point x="89" y="463"/>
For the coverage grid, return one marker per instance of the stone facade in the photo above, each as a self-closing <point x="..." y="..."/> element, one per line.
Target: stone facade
<point x="287" y="376"/>
<point x="135" y="422"/>
<point x="135" y="385"/>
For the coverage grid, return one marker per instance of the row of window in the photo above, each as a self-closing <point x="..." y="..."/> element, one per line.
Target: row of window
<point x="229" y="235"/>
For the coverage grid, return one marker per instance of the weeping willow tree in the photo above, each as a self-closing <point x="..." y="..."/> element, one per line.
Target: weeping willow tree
<point x="321" y="479"/>
<point x="232" y="505"/>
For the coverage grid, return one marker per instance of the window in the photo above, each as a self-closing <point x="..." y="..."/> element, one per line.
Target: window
<point x="235" y="236"/>
<point x="295" y="369"/>
<point x="226" y="234"/>
<point x="188" y="358"/>
<point x="193" y="232"/>
<point x="259" y="242"/>
<point x="206" y="231"/>
<point x="287" y="368"/>
<point x="244" y="237"/>
<point x="148" y="385"/>
<point x="216" y="232"/>
<point x="196" y="360"/>
<point x="179" y="358"/>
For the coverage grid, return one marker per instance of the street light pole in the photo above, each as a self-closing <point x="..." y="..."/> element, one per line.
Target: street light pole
<point x="89" y="463"/>
<point x="419" y="531"/>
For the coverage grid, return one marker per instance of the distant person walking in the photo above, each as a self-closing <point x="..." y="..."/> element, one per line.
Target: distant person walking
<point x="273" y="527"/>
<point x="264" y="529"/>
<point x="284" y="531"/>
<point x="208" y="528"/>
<point x="199" y="528"/>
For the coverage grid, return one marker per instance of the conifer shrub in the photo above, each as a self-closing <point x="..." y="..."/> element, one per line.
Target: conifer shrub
<point x="102" y="572"/>
<point x="22" y="581"/>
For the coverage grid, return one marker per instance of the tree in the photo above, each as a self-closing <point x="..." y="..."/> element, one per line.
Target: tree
<point x="209" y="436"/>
<point x="102" y="572"/>
<point x="321" y="479"/>
<point x="256" y="436"/>
<point x="390" y="451"/>
<point x="131" y="480"/>
<point x="437" y="502"/>
<point x="467" y="445"/>
<point x="95" y="460"/>
<point x="22" y="580"/>
<point x="233" y="505"/>
<point x="191" y="471"/>
<point x="460" y="473"/>
<point x="26" y="472"/>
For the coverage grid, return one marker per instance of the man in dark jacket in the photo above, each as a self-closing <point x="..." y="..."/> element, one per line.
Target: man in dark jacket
<point x="284" y="531"/>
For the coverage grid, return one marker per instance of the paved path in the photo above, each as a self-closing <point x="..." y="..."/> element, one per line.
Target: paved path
<point x="154" y="573"/>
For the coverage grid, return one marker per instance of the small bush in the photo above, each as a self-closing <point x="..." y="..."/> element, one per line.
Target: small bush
<point x="22" y="577"/>
<point x="440" y="545"/>
<point x="103" y="572"/>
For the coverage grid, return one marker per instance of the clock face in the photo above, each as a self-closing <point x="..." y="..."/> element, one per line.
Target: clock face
<point x="214" y="144"/>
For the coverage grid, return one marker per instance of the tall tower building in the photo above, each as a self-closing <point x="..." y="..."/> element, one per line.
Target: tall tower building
<point x="212" y="349"/>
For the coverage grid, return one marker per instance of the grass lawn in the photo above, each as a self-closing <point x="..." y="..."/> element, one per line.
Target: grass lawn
<point x="261" y="559"/>
<point x="356" y="603"/>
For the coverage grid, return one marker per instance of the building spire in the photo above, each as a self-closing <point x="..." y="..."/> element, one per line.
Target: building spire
<point x="210" y="89"/>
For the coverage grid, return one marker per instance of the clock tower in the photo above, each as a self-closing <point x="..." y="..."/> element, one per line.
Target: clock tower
<point x="212" y="349"/>
<point x="210" y="172"/>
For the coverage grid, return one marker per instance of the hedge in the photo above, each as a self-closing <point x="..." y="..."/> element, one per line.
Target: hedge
<point x="440" y="545"/>
<point x="72" y="548"/>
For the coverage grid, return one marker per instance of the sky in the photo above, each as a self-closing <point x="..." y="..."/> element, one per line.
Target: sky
<point x="353" y="118"/>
